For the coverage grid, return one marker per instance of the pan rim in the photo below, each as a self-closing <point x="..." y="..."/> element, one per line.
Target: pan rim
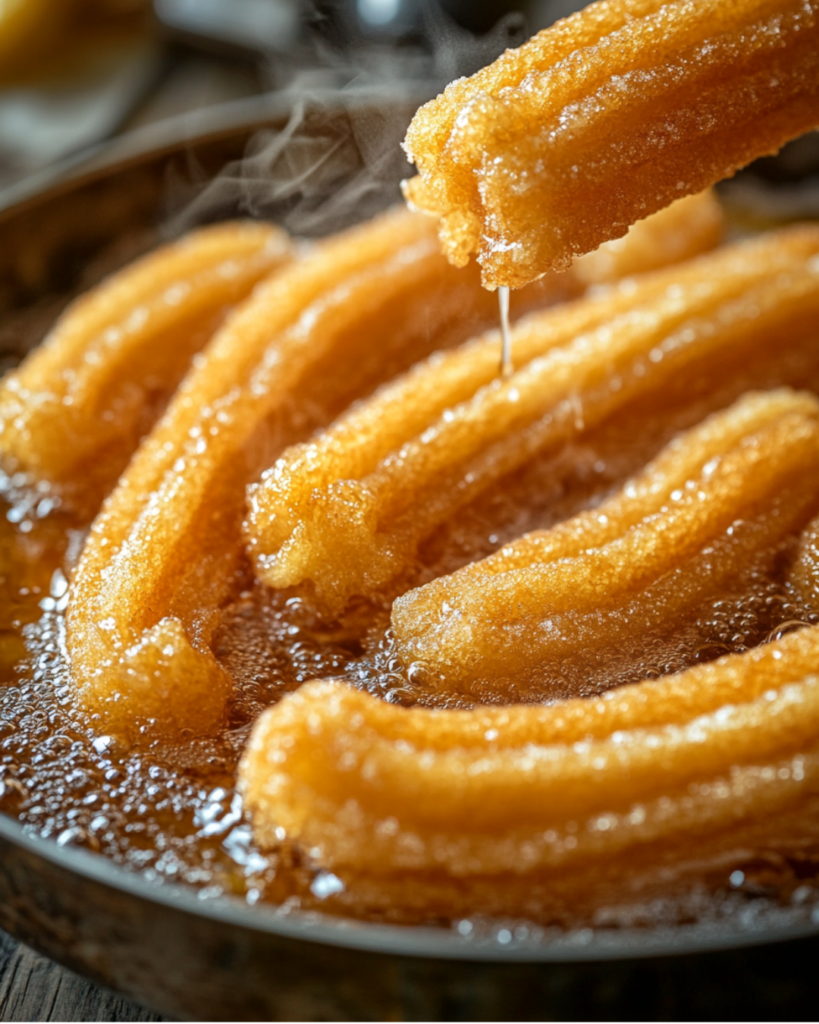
<point x="175" y="134"/>
<point x="416" y="941"/>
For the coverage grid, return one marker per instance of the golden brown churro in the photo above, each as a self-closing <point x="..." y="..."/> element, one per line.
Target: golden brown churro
<point x="368" y="787"/>
<point x="499" y="791"/>
<point x="686" y="228"/>
<point x="713" y="507"/>
<point x="365" y="785"/>
<point x="164" y="552"/>
<point x="75" y="411"/>
<point x="606" y="117"/>
<point x="347" y="510"/>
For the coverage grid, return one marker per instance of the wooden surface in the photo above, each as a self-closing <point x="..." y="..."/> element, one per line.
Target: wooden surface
<point x="764" y="983"/>
<point x="35" y="989"/>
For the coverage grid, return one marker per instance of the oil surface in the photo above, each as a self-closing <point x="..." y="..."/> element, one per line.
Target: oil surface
<point x="173" y="812"/>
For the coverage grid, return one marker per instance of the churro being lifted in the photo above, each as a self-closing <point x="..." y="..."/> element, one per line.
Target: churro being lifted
<point x="606" y="117"/>
<point x="348" y="510"/>
<point x="74" y="412"/>
<point x="710" y="511"/>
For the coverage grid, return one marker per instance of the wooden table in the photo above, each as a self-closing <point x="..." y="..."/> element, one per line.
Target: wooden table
<point x="33" y="988"/>
<point x="776" y="982"/>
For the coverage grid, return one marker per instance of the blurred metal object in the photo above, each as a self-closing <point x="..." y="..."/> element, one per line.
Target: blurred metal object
<point x="378" y="13"/>
<point x="277" y="26"/>
<point x="481" y="16"/>
<point x="348" y="22"/>
<point x="477" y="16"/>
<point x="256" y="27"/>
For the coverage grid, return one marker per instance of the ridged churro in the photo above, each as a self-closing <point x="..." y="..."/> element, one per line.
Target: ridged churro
<point x="74" y="412"/>
<point x="166" y="548"/>
<point x="370" y="788"/>
<point x="606" y="117"/>
<point x="348" y="510"/>
<point x="365" y="785"/>
<point x="659" y="883"/>
<point x="712" y="508"/>
<point x="687" y="228"/>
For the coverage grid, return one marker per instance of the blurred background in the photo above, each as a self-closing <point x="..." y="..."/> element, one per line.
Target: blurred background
<point x="74" y="73"/>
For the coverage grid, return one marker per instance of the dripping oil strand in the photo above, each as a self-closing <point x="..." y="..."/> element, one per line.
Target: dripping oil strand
<point x="506" y="367"/>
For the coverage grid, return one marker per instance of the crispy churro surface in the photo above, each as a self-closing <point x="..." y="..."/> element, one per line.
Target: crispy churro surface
<point x="604" y="118"/>
<point x="365" y="628"/>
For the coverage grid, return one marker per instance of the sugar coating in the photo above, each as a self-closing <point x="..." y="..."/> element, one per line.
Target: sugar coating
<point x="604" y="118"/>
<point x="715" y="502"/>
<point x="635" y="804"/>
<point x="370" y="787"/>
<point x="348" y="510"/>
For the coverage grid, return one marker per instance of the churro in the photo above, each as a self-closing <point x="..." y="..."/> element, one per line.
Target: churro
<point x="604" y="118"/>
<point x="347" y="511"/>
<point x="74" y="412"/>
<point x="165" y="551"/>
<point x="365" y="785"/>
<point x="710" y="510"/>
<point x="685" y="229"/>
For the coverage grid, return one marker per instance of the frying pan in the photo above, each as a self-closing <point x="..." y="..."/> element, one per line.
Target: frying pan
<point x="218" y="958"/>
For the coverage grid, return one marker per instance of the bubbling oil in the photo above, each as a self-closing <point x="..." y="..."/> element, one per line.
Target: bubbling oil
<point x="172" y="811"/>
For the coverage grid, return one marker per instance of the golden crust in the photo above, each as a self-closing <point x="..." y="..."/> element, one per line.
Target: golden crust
<point x="463" y="806"/>
<point x="348" y="510"/>
<point x="711" y="509"/>
<point x="605" y="118"/>
<point x="75" y="411"/>
<point x="365" y="785"/>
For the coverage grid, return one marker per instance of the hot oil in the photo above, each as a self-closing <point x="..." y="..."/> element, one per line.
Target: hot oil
<point x="173" y="812"/>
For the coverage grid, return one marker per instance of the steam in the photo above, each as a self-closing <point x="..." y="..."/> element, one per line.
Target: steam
<point x="338" y="160"/>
